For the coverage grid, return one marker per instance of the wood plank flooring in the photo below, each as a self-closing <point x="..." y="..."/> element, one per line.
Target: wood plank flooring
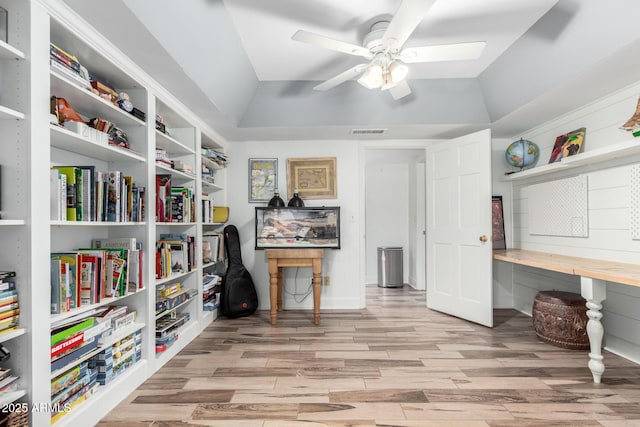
<point x="394" y="363"/>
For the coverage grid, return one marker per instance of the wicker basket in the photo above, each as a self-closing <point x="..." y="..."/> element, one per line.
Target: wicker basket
<point x="15" y="419"/>
<point x="560" y="318"/>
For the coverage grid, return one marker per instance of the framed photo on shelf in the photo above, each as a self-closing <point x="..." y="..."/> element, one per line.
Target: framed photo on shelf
<point x="263" y="179"/>
<point x="314" y="178"/>
<point x="497" y="219"/>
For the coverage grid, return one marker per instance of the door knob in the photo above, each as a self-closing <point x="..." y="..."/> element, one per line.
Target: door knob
<point x="484" y="238"/>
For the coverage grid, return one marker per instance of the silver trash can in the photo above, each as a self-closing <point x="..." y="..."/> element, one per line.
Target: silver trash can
<point x="390" y="267"/>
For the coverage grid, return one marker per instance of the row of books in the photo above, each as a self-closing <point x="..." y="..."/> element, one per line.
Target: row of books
<point x="173" y="204"/>
<point x="109" y="268"/>
<point x="73" y="340"/>
<point x="82" y="193"/>
<point x="175" y="253"/>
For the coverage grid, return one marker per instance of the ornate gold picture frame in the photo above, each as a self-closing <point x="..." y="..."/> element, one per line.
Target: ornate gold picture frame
<point x="315" y="178"/>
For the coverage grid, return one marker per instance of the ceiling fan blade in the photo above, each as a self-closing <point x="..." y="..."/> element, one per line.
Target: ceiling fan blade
<point x="329" y="43"/>
<point x="341" y="78"/>
<point x="400" y="90"/>
<point x="443" y="52"/>
<point x="405" y="21"/>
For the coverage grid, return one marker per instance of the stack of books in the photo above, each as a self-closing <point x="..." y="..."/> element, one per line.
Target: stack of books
<point x="69" y="66"/>
<point x="9" y="305"/>
<point x="217" y="157"/>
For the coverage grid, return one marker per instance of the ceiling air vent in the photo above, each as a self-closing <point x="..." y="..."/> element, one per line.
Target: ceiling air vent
<point x="367" y="131"/>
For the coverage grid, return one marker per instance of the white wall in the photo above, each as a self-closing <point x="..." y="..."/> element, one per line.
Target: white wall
<point x="341" y="265"/>
<point x="608" y="210"/>
<point x="387" y="213"/>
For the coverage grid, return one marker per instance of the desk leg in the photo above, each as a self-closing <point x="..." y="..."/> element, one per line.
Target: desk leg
<point x="273" y="289"/>
<point x="317" y="282"/>
<point x="594" y="291"/>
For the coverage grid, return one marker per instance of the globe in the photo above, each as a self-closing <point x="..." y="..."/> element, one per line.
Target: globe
<point x="522" y="153"/>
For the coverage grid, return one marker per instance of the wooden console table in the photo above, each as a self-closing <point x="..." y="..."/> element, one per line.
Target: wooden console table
<point x="280" y="258"/>
<point x="593" y="274"/>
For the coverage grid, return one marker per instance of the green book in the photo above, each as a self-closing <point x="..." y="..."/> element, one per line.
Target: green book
<point x="64" y="332"/>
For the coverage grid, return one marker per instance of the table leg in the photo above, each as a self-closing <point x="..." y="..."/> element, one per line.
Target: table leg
<point x="594" y="291"/>
<point x="273" y="289"/>
<point x="317" y="282"/>
<point x="280" y="289"/>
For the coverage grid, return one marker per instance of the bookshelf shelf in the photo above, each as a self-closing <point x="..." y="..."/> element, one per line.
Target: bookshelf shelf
<point x="187" y="333"/>
<point x="11" y="396"/>
<point x="11" y="335"/>
<point x="96" y="224"/>
<point x="7" y="113"/>
<point x="9" y="52"/>
<point x="171" y="145"/>
<point x="88" y="103"/>
<point x="11" y="222"/>
<point x="210" y="187"/>
<point x="182" y="304"/>
<point x="210" y="163"/>
<point x="67" y="140"/>
<point x="88" y="309"/>
<point x="175" y="174"/>
<point x="174" y="277"/>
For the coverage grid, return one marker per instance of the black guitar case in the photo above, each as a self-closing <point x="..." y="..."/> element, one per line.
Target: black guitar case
<point x="238" y="295"/>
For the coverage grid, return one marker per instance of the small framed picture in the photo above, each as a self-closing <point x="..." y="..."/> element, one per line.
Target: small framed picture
<point x="497" y="232"/>
<point x="263" y="179"/>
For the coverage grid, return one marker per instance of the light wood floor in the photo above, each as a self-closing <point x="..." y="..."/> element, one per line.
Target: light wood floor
<point x="395" y="363"/>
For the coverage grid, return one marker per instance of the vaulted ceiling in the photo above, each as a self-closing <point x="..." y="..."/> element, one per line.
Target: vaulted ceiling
<point x="234" y="63"/>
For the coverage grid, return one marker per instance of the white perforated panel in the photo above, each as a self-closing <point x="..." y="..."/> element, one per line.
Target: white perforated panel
<point x="559" y="208"/>
<point x="634" y="190"/>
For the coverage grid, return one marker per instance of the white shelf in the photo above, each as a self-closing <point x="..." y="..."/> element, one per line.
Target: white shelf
<point x="171" y="145"/>
<point x="95" y="224"/>
<point x="11" y="396"/>
<point x="210" y="188"/>
<point x="11" y="222"/>
<point x="161" y="168"/>
<point x="614" y="151"/>
<point x="11" y="335"/>
<point x="9" y="52"/>
<point x="67" y="140"/>
<point x="210" y="163"/>
<point x="86" y="308"/>
<point x="174" y="276"/>
<point x="88" y="104"/>
<point x="186" y="334"/>
<point x="7" y="113"/>
<point x="182" y="304"/>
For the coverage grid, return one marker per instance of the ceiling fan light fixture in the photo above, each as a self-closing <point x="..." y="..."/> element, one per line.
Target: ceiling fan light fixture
<point x="372" y="78"/>
<point x="398" y="71"/>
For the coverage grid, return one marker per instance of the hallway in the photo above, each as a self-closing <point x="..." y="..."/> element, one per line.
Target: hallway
<point x="395" y="363"/>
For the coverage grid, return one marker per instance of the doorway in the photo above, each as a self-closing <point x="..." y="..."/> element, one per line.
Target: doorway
<point x="394" y="200"/>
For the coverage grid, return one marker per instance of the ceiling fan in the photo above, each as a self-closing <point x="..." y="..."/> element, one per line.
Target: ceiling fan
<point x="382" y="48"/>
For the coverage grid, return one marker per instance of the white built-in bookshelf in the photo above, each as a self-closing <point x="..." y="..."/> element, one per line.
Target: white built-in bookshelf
<point x="14" y="194"/>
<point x="31" y="144"/>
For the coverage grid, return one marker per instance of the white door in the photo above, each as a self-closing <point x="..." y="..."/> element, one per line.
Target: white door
<point x="459" y="251"/>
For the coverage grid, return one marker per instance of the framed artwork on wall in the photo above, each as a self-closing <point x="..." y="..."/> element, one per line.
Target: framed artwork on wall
<point x="497" y="219"/>
<point x="263" y="179"/>
<point x="314" y="178"/>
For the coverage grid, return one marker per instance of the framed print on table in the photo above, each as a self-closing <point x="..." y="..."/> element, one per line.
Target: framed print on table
<point x="263" y="179"/>
<point x="314" y="178"/>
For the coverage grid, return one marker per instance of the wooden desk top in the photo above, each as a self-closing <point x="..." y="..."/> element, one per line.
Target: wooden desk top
<point x="628" y="274"/>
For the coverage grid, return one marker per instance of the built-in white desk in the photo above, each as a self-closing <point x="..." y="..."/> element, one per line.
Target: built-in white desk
<point x="594" y="274"/>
